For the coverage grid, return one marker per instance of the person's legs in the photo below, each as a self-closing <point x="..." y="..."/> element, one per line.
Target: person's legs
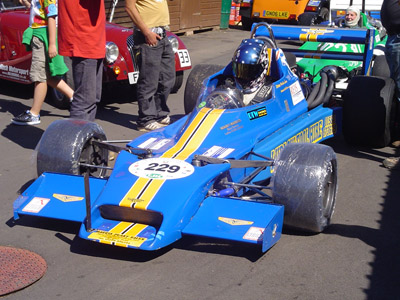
<point x="38" y="74"/>
<point x="61" y="86"/>
<point x="393" y="59"/>
<point x="39" y="94"/>
<point x="166" y="80"/>
<point x="149" y="63"/>
<point x="87" y="79"/>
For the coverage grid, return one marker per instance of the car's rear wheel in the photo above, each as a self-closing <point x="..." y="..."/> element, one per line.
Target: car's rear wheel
<point x="57" y="98"/>
<point x="194" y="84"/>
<point x="305" y="182"/>
<point x="380" y="67"/>
<point x="368" y="114"/>
<point x="307" y="19"/>
<point x="67" y="143"/>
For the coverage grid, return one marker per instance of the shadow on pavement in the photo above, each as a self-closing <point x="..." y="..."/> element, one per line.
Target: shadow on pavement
<point x="385" y="277"/>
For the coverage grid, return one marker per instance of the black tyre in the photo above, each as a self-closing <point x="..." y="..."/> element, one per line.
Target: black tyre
<point x="305" y="182"/>
<point x="57" y="98"/>
<point x="380" y="67"/>
<point x="67" y="143"/>
<point x="247" y="23"/>
<point x="368" y="118"/>
<point x="194" y="84"/>
<point x="178" y="82"/>
<point x="307" y="19"/>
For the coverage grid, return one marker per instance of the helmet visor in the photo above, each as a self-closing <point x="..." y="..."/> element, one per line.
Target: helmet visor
<point x="246" y="73"/>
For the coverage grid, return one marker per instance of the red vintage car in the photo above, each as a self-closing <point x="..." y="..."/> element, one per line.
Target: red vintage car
<point x="119" y="64"/>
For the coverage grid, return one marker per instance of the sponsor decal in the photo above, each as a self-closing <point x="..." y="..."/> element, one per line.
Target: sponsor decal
<point x="286" y="105"/>
<point x="234" y="222"/>
<point x="154" y="143"/>
<point x="257" y="113"/>
<point x="254" y="234"/>
<point x="312" y="34"/>
<point x="296" y="92"/>
<point x="14" y="73"/>
<point x="67" y="198"/>
<point x="218" y="152"/>
<point x="36" y="205"/>
<point x="116" y="238"/>
<point x="232" y="127"/>
<point x="312" y="134"/>
<point x="280" y="84"/>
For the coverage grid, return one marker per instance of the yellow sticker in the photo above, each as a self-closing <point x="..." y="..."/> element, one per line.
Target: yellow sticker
<point x="116" y="239"/>
<point x="235" y="221"/>
<point x="67" y="198"/>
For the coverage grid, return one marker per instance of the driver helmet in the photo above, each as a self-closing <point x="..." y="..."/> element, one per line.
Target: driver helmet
<point x="250" y="64"/>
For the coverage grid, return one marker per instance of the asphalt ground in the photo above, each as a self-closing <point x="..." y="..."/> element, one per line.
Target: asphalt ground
<point x="357" y="257"/>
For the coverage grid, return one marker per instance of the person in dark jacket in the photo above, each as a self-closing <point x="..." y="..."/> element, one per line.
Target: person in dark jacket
<point x="390" y="17"/>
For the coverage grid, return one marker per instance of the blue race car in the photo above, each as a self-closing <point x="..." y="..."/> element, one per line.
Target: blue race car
<point x="232" y="168"/>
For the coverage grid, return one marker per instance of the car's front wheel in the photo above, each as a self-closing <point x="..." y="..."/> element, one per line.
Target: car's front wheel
<point x="67" y="144"/>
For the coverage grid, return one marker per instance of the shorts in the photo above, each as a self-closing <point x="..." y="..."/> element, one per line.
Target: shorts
<point x="39" y="71"/>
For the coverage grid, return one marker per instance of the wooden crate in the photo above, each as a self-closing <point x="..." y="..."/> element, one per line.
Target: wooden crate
<point x="186" y="16"/>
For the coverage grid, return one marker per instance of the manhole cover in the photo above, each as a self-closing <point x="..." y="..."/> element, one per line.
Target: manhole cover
<point x="19" y="268"/>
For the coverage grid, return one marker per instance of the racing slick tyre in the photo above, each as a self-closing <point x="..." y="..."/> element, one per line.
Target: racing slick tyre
<point x="368" y="114"/>
<point x="57" y="98"/>
<point x="380" y="67"/>
<point x="305" y="182"/>
<point x="178" y="82"/>
<point x="247" y="23"/>
<point x="67" y="143"/>
<point x="307" y="18"/>
<point x="195" y="82"/>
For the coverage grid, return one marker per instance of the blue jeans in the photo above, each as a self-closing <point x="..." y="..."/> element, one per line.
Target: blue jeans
<point x="393" y="59"/>
<point x="88" y="75"/>
<point x="156" y="79"/>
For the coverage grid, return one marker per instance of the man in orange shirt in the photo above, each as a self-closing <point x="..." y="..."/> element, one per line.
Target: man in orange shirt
<point x="82" y="36"/>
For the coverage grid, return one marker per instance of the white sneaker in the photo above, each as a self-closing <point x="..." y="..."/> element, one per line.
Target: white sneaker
<point x="151" y="126"/>
<point x="165" y="121"/>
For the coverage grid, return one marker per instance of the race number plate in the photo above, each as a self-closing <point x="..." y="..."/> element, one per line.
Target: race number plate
<point x="184" y="58"/>
<point x="133" y="77"/>
<point x="161" y="168"/>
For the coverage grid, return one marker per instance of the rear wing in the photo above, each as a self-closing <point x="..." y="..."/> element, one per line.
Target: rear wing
<point x="363" y="36"/>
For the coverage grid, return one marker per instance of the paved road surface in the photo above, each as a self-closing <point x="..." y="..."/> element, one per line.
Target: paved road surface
<point x="356" y="258"/>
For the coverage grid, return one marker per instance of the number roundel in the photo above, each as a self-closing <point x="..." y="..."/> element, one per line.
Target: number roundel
<point x="161" y="168"/>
